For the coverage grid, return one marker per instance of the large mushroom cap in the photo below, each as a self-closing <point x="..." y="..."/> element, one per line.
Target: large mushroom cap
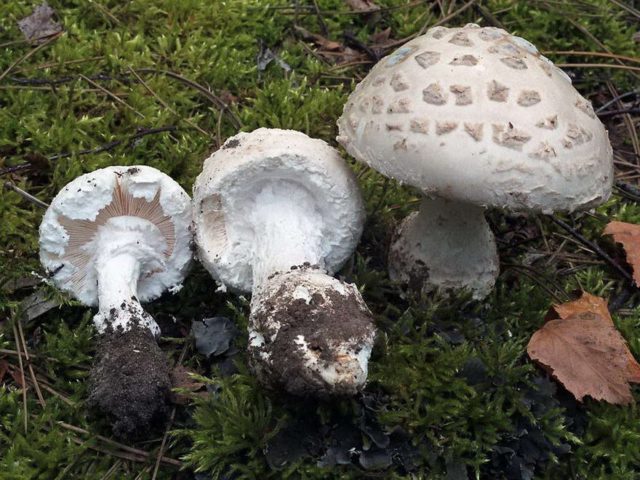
<point x="224" y="197"/>
<point x="70" y="227"/>
<point x="478" y="115"/>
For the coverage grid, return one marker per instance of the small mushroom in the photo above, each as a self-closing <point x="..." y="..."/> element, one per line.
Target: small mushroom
<point x="114" y="238"/>
<point x="276" y="214"/>
<point x="474" y="118"/>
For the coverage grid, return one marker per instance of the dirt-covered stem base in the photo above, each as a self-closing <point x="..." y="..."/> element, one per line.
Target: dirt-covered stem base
<point x="129" y="381"/>
<point x="310" y="334"/>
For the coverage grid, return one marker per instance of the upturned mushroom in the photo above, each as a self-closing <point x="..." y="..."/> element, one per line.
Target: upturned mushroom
<point x="276" y="214"/>
<point x="114" y="238"/>
<point x="474" y="118"/>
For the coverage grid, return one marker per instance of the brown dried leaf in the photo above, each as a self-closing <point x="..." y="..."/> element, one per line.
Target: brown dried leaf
<point x="381" y="37"/>
<point x="40" y="24"/>
<point x="584" y="351"/>
<point x="628" y="235"/>
<point x="4" y="368"/>
<point x="364" y="6"/>
<point x="181" y="379"/>
<point x="16" y="374"/>
<point x="319" y="40"/>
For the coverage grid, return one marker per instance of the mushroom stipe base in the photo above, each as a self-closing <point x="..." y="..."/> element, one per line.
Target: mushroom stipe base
<point x="445" y="245"/>
<point x="130" y="382"/>
<point x="329" y="330"/>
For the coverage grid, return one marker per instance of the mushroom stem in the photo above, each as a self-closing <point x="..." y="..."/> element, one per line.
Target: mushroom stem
<point x="288" y="229"/>
<point x="127" y="248"/>
<point x="309" y="332"/>
<point x="446" y="245"/>
<point x="130" y="376"/>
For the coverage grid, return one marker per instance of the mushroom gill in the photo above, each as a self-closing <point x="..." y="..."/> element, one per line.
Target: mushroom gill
<point x="82" y="232"/>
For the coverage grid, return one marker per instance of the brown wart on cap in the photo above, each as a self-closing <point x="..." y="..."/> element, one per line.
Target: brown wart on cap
<point x="276" y="216"/>
<point x="113" y="238"/>
<point x="511" y="132"/>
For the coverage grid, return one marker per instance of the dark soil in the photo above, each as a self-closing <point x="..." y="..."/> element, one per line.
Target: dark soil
<point x="130" y="382"/>
<point x="324" y="324"/>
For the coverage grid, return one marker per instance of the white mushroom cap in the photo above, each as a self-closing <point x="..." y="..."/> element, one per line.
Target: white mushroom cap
<point x="225" y="193"/>
<point x="76" y="219"/>
<point x="478" y="115"/>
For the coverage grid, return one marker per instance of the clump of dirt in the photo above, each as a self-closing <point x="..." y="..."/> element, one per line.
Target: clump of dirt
<point x="233" y="143"/>
<point x="325" y="322"/>
<point x="129" y="381"/>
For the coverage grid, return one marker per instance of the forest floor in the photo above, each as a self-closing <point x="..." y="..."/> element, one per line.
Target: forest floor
<point x="452" y="393"/>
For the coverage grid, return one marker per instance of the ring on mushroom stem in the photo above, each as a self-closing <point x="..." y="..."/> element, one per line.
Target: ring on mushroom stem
<point x="114" y="238"/>
<point x="474" y="118"/>
<point x="276" y="213"/>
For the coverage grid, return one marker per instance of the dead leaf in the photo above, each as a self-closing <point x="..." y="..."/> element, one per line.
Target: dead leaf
<point x="40" y="24"/>
<point x="334" y="52"/>
<point x="380" y="38"/>
<point x="628" y="235"/>
<point x="319" y="40"/>
<point x="37" y="304"/>
<point x="584" y="351"/>
<point x="4" y="368"/>
<point x="17" y="376"/>
<point x="181" y="379"/>
<point x="364" y="6"/>
<point x="266" y="56"/>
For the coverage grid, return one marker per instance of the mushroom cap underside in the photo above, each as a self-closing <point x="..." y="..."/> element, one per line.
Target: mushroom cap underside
<point x="82" y="209"/>
<point x="285" y="161"/>
<point x="478" y="115"/>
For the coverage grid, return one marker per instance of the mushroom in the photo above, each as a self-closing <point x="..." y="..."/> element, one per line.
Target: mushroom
<point x="276" y="213"/>
<point x="114" y="238"/>
<point x="474" y="118"/>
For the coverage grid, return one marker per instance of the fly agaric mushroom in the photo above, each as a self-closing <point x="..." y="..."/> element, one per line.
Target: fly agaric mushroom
<point x="114" y="238"/>
<point x="474" y="118"/>
<point x="276" y="213"/>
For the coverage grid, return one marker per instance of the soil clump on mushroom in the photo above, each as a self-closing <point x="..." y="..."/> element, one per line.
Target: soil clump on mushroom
<point x="322" y="323"/>
<point x="130" y="382"/>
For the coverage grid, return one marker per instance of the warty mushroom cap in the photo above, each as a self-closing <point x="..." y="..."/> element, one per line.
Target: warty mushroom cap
<point x="478" y="115"/>
<point x="79" y="212"/>
<point x="223" y="197"/>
